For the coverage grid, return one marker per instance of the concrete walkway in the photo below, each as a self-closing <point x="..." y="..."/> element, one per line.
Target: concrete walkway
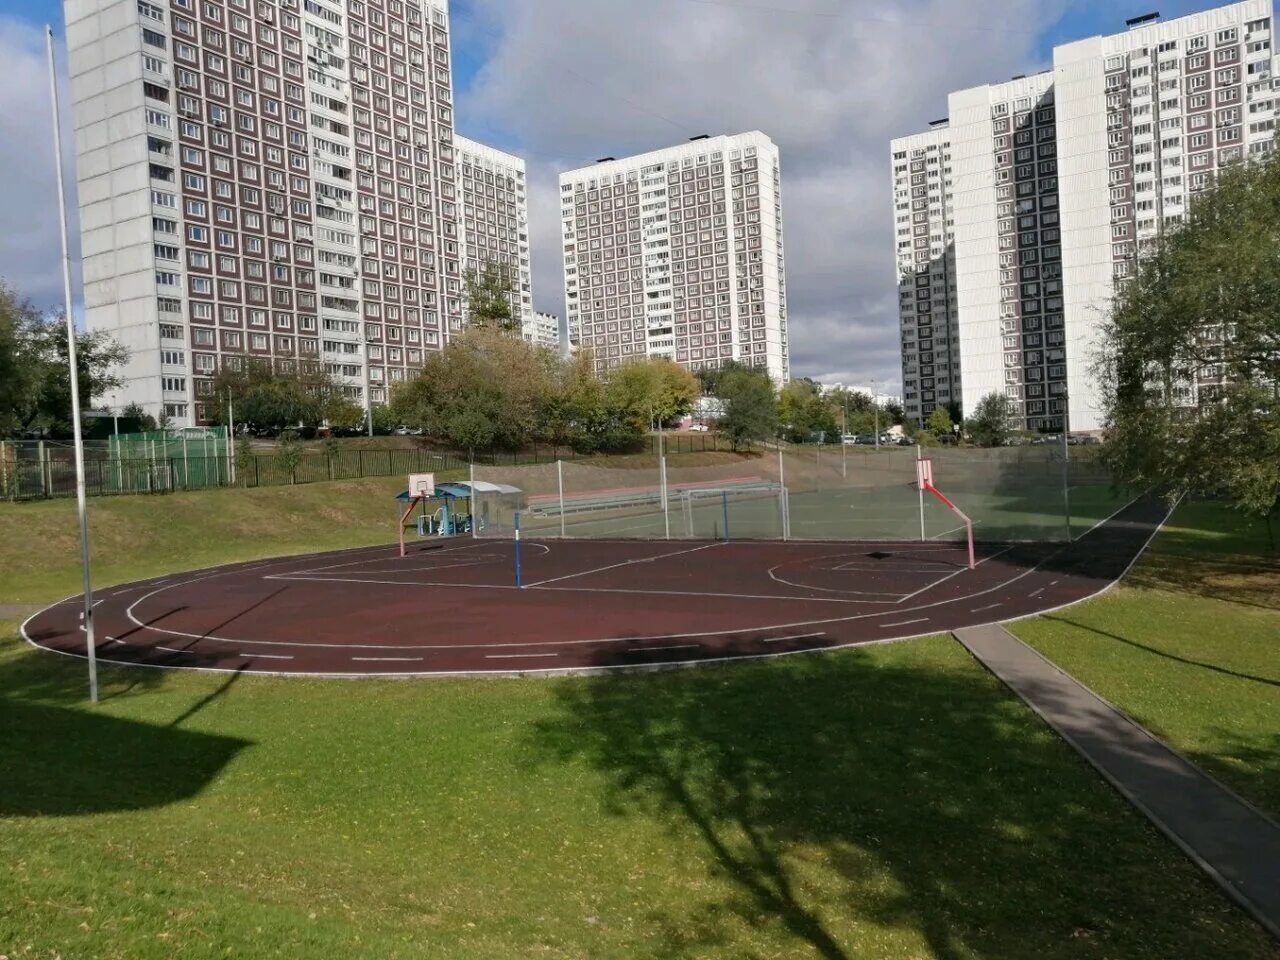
<point x="1236" y="844"/>
<point x="18" y="611"/>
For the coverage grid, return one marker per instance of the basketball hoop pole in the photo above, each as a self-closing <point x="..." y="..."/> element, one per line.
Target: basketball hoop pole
<point x="519" y="584"/>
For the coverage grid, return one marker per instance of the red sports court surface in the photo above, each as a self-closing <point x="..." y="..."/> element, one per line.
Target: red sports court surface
<point x="451" y="606"/>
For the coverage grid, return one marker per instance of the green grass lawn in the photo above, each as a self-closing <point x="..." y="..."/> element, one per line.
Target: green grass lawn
<point x="892" y="802"/>
<point x="1190" y="646"/>
<point x="135" y="537"/>
<point x="888" y="803"/>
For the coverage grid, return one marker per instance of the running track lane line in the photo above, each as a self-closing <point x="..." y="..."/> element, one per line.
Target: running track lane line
<point x="626" y="563"/>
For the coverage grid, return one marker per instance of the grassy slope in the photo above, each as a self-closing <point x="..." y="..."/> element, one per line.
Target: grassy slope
<point x="137" y="537"/>
<point x="888" y="803"/>
<point x="1190" y="646"/>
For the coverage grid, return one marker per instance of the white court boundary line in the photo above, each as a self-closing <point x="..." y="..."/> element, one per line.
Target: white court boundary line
<point x="600" y="670"/>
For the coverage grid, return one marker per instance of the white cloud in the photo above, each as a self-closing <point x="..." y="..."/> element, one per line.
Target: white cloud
<point x="831" y="81"/>
<point x="30" y="249"/>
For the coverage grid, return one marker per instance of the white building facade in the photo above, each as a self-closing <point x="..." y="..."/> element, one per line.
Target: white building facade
<point x="679" y="253"/>
<point x="1147" y="118"/>
<point x="495" y="221"/>
<point x="269" y="181"/>
<point x="1058" y="179"/>
<point x="926" y="263"/>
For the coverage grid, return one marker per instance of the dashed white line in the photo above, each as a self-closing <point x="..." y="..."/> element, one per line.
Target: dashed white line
<point x="1037" y="592"/>
<point x="679" y="646"/>
<point x="1054" y="583"/>
<point x="904" y="623"/>
<point x="171" y="650"/>
<point x="518" y="656"/>
<point x="990" y="606"/>
<point x="389" y="659"/>
<point x="263" y="656"/>
<point x="799" y="636"/>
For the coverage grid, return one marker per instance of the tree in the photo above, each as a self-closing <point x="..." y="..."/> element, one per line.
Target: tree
<point x="994" y="421"/>
<point x="489" y="293"/>
<point x="483" y="390"/>
<point x="751" y="407"/>
<point x="939" y="423"/>
<point x="143" y="421"/>
<point x="1190" y="367"/>
<point x="805" y="414"/>
<point x="274" y="400"/>
<point x="646" y="391"/>
<point x="35" y="381"/>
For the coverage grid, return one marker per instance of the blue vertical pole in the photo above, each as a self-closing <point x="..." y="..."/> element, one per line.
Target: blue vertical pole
<point x="518" y="579"/>
<point x="725" y="496"/>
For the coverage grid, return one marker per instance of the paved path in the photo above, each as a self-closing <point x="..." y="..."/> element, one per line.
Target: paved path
<point x="17" y="611"/>
<point x="1236" y="844"/>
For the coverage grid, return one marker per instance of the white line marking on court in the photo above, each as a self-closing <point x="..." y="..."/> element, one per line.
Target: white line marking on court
<point x="626" y="563"/>
<point x="703" y="593"/>
<point x="518" y="656"/>
<point x="334" y="566"/>
<point x="990" y="606"/>
<point x="1054" y="583"/>
<point x="903" y="623"/>
<point x="263" y="656"/>
<point x="389" y="659"/>
<point x="798" y="636"/>
<point x="678" y="646"/>
<point x="170" y="650"/>
<point x="938" y="583"/>
<point x="1036" y="593"/>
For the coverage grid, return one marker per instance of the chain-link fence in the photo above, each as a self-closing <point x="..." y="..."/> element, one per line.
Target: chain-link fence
<point x="808" y="493"/>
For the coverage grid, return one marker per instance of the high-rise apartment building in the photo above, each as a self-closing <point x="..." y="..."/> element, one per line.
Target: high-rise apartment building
<point x="678" y="253"/>
<point x="546" y="330"/>
<point x="267" y="180"/>
<point x="1149" y="116"/>
<point x="1059" y="179"/>
<point x="922" y="202"/>
<point x="1008" y="248"/>
<point x="495" y="221"/>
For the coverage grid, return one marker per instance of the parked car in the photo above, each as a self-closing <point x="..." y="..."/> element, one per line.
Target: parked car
<point x="698" y="428"/>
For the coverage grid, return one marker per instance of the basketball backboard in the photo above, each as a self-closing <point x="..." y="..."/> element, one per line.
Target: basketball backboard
<point x="422" y="485"/>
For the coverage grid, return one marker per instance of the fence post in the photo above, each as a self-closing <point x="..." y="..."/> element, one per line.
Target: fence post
<point x="360" y="463"/>
<point x="4" y="470"/>
<point x="474" y="525"/>
<point x="666" y="514"/>
<point x="186" y="466"/>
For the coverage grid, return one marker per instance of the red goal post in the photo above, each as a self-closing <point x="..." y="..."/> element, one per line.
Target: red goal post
<point x="924" y="476"/>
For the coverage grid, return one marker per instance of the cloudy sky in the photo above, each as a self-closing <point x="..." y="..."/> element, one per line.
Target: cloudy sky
<point x="562" y="82"/>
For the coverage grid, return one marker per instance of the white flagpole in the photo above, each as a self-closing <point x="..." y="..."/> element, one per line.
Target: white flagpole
<point x="81" y="504"/>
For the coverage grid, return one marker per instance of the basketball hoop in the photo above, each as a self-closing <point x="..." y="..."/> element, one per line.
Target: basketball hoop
<point x="422" y="485"/>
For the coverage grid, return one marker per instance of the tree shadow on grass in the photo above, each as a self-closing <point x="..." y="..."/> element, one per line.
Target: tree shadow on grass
<point x="884" y="790"/>
<point x="61" y="757"/>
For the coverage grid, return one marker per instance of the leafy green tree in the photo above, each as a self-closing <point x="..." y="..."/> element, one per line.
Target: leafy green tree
<point x="139" y="418"/>
<point x="289" y="454"/>
<point x="1190" y="371"/>
<point x="939" y="423"/>
<point x="994" y="421"/>
<point x="384" y="420"/>
<point x="646" y="391"/>
<point x="751" y="407"/>
<point x="483" y="390"/>
<point x="709" y="377"/>
<point x="489" y="292"/>
<point x="35" y="381"/>
<point x="805" y="413"/>
<point x="276" y="401"/>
